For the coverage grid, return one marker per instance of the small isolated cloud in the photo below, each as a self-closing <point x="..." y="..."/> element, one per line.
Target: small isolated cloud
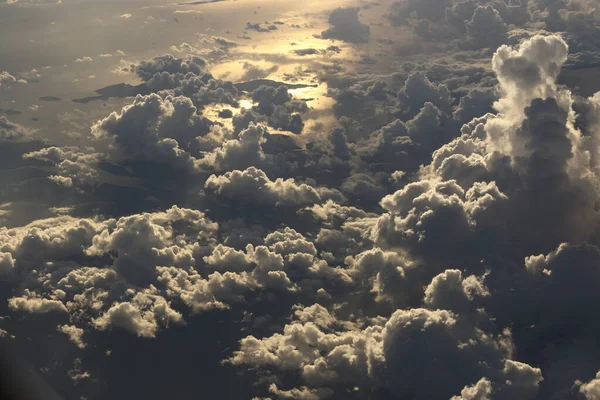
<point x="6" y="78"/>
<point x="188" y="12"/>
<point x="118" y="53"/>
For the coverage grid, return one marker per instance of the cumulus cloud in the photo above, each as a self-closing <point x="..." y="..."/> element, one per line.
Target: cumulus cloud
<point x="475" y="104"/>
<point x="591" y="389"/>
<point x="528" y="72"/>
<point x="254" y="186"/>
<point x="73" y="167"/>
<point x="482" y="390"/>
<point x="418" y="90"/>
<point x="346" y="26"/>
<point x="10" y="131"/>
<point x="6" y="78"/>
<point x="486" y="28"/>
<point x="432" y="10"/>
<point x="156" y="129"/>
<point x="426" y="237"/>
<point x="74" y="333"/>
<point x="141" y="316"/>
<point x="171" y="65"/>
<point x="35" y="305"/>
<point x="390" y="352"/>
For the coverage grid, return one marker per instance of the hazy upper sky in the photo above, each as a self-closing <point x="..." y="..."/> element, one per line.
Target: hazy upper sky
<point x="276" y="199"/>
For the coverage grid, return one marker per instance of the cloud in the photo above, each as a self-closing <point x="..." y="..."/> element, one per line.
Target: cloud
<point x="432" y="10"/>
<point x="73" y="166"/>
<point x="389" y="347"/>
<point x="486" y="28"/>
<point x="528" y="72"/>
<point x="6" y="78"/>
<point x="259" y="28"/>
<point x="141" y="316"/>
<point x="418" y="90"/>
<point x="145" y="241"/>
<point x="74" y="333"/>
<point x="10" y="131"/>
<point x="346" y="26"/>
<point x="35" y="305"/>
<point x="156" y="129"/>
<point x="253" y="72"/>
<point x="475" y="104"/>
<point x="427" y="236"/>
<point x="239" y="153"/>
<point x="482" y="390"/>
<point x="170" y="64"/>
<point x="252" y="185"/>
<point x="591" y="389"/>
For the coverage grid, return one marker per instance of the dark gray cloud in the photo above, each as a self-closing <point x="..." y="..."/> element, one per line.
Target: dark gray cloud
<point x="432" y="10"/>
<point x="170" y="64"/>
<point x="486" y="28"/>
<point x="11" y="131"/>
<point x="346" y="26"/>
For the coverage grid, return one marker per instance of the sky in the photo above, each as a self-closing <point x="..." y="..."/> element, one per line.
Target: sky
<point x="276" y="199"/>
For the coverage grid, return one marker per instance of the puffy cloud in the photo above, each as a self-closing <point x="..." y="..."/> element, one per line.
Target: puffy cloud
<point x="74" y="333"/>
<point x="254" y="26"/>
<point x="482" y="390"/>
<point x="157" y="129"/>
<point x="591" y="389"/>
<point x="397" y="353"/>
<point x="10" y="131"/>
<point x="460" y="13"/>
<point x="443" y="266"/>
<point x="171" y="65"/>
<point x="283" y="112"/>
<point x="200" y="294"/>
<point x="530" y="150"/>
<point x="486" y="28"/>
<point x="144" y="241"/>
<point x="254" y="186"/>
<point x="51" y="239"/>
<point x="339" y="140"/>
<point x="303" y="393"/>
<point x="289" y="241"/>
<point x="418" y="90"/>
<point x="148" y="120"/>
<point x="475" y="104"/>
<point x="451" y="291"/>
<point x="141" y="316"/>
<point x="432" y="10"/>
<point x="437" y="214"/>
<point x="254" y="72"/>
<point x="73" y="166"/>
<point x="390" y="145"/>
<point x="224" y="42"/>
<point x="528" y="72"/>
<point x="346" y="26"/>
<point x="258" y="269"/>
<point x="6" y="78"/>
<point x="7" y="264"/>
<point x="35" y="305"/>
<point x="240" y="153"/>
